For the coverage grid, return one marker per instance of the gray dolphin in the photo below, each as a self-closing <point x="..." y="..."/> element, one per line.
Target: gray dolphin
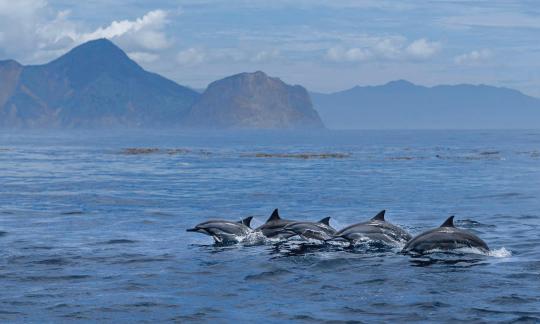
<point x="273" y="227"/>
<point x="320" y="230"/>
<point x="224" y="231"/>
<point x="445" y="237"/>
<point x="376" y="229"/>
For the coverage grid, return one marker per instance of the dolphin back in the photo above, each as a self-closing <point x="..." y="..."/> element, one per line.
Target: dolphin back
<point x="445" y="237"/>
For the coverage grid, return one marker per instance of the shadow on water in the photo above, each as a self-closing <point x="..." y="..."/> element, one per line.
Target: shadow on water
<point x="463" y="260"/>
<point x="216" y="247"/>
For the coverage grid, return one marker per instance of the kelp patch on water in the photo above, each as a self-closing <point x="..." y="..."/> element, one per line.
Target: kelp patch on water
<point x="405" y="158"/>
<point x="303" y="156"/>
<point x="533" y="154"/>
<point x="139" y="150"/>
<point x="483" y="155"/>
<point x="155" y="150"/>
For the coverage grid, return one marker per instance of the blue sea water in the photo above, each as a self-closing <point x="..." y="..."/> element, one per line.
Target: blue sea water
<point x="91" y="231"/>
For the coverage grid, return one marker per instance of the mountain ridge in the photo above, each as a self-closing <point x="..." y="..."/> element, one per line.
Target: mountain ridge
<point x="401" y="104"/>
<point x="96" y="85"/>
<point x="93" y="85"/>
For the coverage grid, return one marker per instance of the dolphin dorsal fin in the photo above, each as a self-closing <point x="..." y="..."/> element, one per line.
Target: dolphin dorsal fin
<point x="246" y="221"/>
<point x="325" y="221"/>
<point x="274" y="216"/>
<point x="379" y="216"/>
<point x="449" y="222"/>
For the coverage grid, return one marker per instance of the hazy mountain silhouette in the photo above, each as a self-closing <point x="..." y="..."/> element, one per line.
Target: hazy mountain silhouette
<point x="403" y="105"/>
<point x="94" y="85"/>
<point x="97" y="85"/>
<point x="253" y="100"/>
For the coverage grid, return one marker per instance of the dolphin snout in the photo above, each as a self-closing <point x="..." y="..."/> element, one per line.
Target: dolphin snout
<point x="192" y="229"/>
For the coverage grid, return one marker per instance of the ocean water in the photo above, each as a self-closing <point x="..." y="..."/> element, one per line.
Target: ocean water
<point x="92" y="226"/>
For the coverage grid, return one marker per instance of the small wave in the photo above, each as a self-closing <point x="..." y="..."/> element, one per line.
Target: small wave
<point x="267" y="275"/>
<point x="53" y="261"/>
<point x="2" y="233"/>
<point x="56" y="278"/>
<point x="501" y="195"/>
<point x="471" y="224"/>
<point x="120" y="241"/>
<point x="73" y="212"/>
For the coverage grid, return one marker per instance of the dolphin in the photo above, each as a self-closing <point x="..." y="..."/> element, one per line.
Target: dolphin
<point x="445" y="237"/>
<point x="376" y="229"/>
<point x="273" y="228"/>
<point x="320" y="230"/>
<point x="224" y="231"/>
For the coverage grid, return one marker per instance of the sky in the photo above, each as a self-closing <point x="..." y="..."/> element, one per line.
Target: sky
<point x="325" y="46"/>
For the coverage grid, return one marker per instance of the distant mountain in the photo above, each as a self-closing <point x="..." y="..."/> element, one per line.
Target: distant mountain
<point x="403" y="105"/>
<point x="253" y="100"/>
<point x="94" y="85"/>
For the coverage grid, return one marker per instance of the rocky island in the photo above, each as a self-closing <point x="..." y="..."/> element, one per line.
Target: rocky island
<point x="253" y="100"/>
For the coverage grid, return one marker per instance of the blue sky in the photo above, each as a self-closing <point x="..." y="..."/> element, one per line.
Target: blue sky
<point x="323" y="45"/>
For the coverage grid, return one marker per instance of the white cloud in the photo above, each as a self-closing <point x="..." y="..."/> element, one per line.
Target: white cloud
<point x="33" y="32"/>
<point x="473" y="57"/>
<point x="143" y="57"/>
<point x="264" y="56"/>
<point x="228" y="54"/>
<point x="191" y="56"/>
<point x="422" y="48"/>
<point x="391" y="48"/>
<point x="18" y="23"/>
<point x="339" y="54"/>
<point x="146" y="31"/>
<point x="194" y="56"/>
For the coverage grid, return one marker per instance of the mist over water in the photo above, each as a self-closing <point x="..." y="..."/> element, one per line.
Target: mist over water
<point x="92" y="225"/>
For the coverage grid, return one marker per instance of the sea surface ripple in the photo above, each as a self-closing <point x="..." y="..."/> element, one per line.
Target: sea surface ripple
<point x="92" y="225"/>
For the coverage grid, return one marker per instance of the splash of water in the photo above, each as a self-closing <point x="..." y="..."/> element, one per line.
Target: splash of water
<point x="500" y="253"/>
<point x="497" y="253"/>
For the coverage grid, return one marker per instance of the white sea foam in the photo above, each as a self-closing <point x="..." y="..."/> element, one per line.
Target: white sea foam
<point x="500" y="253"/>
<point x="255" y="237"/>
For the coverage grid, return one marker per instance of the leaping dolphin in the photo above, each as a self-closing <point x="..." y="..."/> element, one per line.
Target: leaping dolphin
<point x="320" y="230"/>
<point x="445" y="237"/>
<point x="376" y="229"/>
<point x="224" y="231"/>
<point x="273" y="228"/>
